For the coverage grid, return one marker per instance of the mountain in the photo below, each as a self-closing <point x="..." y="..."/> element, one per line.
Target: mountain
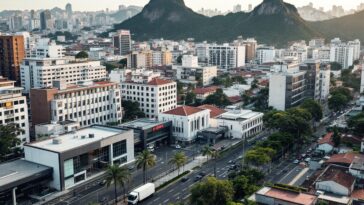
<point x="122" y="15"/>
<point x="273" y="22"/>
<point x="347" y="27"/>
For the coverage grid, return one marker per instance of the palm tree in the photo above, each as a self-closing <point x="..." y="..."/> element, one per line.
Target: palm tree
<point x="145" y="160"/>
<point x="214" y="154"/>
<point x="207" y="151"/>
<point x="118" y="176"/>
<point x="179" y="160"/>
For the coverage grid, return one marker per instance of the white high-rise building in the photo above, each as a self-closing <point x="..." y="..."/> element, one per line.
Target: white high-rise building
<point x="15" y="23"/>
<point x="226" y="56"/>
<point x="41" y="72"/>
<point x="154" y="97"/>
<point x="14" y="108"/>
<point x="341" y="53"/>
<point x="356" y="46"/>
<point x="45" y="48"/>
<point x="362" y="80"/>
<point x="265" y="54"/>
<point x="122" y="42"/>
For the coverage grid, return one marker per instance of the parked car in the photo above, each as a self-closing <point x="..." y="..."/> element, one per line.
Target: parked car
<point x="296" y="161"/>
<point x="198" y="178"/>
<point x="184" y="179"/>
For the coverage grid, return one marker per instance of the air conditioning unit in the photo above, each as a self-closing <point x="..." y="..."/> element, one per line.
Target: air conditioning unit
<point x="83" y="137"/>
<point x="75" y="137"/>
<point x="91" y="135"/>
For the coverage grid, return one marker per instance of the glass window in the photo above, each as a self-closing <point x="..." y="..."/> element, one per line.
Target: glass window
<point x="119" y="148"/>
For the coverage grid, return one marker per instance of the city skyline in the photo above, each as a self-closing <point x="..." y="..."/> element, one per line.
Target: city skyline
<point x="194" y="4"/>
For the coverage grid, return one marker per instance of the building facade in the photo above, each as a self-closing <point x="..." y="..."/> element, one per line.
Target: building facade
<point x="41" y="72"/>
<point x="226" y="56"/>
<point x="187" y="122"/>
<point x="122" y="42"/>
<point x="265" y="54"/>
<point x="154" y="97"/>
<point x="12" y="52"/>
<point x="14" y="108"/>
<point x="78" y="155"/>
<point x="87" y="103"/>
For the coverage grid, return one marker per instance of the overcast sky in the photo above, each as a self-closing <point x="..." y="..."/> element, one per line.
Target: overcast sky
<point x="93" y="5"/>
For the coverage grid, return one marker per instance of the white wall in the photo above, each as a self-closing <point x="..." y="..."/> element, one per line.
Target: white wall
<point x="277" y="92"/>
<point x="332" y="187"/>
<point x="45" y="158"/>
<point x="325" y="147"/>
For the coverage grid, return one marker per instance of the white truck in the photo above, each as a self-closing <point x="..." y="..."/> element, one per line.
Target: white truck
<point x="141" y="193"/>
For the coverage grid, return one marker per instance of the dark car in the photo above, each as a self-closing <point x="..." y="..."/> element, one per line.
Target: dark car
<point x="202" y="174"/>
<point x="184" y="179"/>
<point x="198" y="178"/>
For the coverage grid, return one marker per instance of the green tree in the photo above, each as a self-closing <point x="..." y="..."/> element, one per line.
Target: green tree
<point x="179" y="160"/>
<point x="144" y="160"/>
<point x="212" y="192"/>
<point x="123" y="62"/>
<point x="118" y="176"/>
<point x="179" y="59"/>
<point x="336" y="66"/>
<point x="259" y="156"/>
<point x="314" y="108"/>
<point x="110" y="67"/>
<point x="338" y="102"/>
<point x="207" y="151"/>
<point x="132" y="110"/>
<point x="356" y="123"/>
<point x="214" y="154"/>
<point x="336" y="137"/>
<point x="8" y="139"/>
<point x="218" y="98"/>
<point x="82" y="54"/>
<point x="190" y="98"/>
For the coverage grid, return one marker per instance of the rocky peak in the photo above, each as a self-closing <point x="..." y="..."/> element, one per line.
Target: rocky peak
<point x="272" y="7"/>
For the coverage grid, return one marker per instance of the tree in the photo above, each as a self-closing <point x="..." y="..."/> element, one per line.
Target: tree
<point x="8" y="139"/>
<point x="179" y="59"/>
<point x="144" y="160"/>
<point x="123" y="62"/>
<point x="259" y="156"/>
<point x="206" y="151"/>
<point x="190" y="98"/>
<point x="179" y="159"/>
<point x="118" y="176"/>
<point x="132" y="110"/>
<point x="214" y="154"/>
<point x="356" y="123"/>
<point x="218" y="98"/>
<point x="336" y="137"/>
<point x="110" y="67"/>
<point x="82" y="54"/>
<point x="337" y="102"/>
<point x="212" y="192"/>
<point x="336" y="66"/>
<point x="314" y="108"/>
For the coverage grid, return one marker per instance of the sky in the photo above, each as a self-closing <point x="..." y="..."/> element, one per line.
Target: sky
<point x="96" y="5"/>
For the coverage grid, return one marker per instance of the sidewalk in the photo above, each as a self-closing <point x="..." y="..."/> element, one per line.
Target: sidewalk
<point x="198" y="161"/>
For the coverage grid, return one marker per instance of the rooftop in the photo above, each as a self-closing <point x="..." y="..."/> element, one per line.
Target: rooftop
<point x="159" y="81"/>
<point x="202" y="91"/>
<point x="327" y="139"/>
<point x="214" y="111"/>
<point x="143" y="123"/>
<point x="81" y="137"/>
<point x="239" y="115"/>
<point x="339" y="175"/>
<point x="288" y="196"/>
<point x="346" y="158"/>
<point x="184" y="111"/>
<point x="19" y="171"/>
<point x="357" y="164"/>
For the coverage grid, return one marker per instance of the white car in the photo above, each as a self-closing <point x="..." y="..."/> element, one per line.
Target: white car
<point x="178" y="146"/>
<point x="296" y="161"/>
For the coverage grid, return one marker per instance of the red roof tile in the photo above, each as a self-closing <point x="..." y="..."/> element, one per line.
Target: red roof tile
<point x="235" y="99"/>
<point x="345" y="159"/>
<point x="158" y="81"/>
<point x="202" y="91"/>
<point x="184" y="111"/>
<point x="327" y="139"/>
<point x="358" y="194"/>
<point x="294" y="198"/>
<point x="214" y="111"/>
<point x="338" y="175"/>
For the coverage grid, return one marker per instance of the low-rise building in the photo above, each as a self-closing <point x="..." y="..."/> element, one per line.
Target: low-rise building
<point x="326" y="144"/>
<point x="242" y="124"/>
<point x="55" y="128"/>
<point x="14" y="108"/>
<point x="203" y="93"/>
<point x="87" y="103"/>
<point x="187" y="121"/>
<point x="76" y="156"/>
<point x="336" y="180"/>
<point x="276" y="196"/>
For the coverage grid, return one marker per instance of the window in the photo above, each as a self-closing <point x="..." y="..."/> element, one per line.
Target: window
<point x="119" y="148"/>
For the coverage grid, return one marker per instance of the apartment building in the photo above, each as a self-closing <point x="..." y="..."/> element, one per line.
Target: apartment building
<point x="122" y="42"/>
<point x="12" y="53"/>
<point x="140" y="59"/>
<point x="342" y="53"/>
<point x="287" y="89"/>
<point x="41" y="72"/>
<point x="87" y="103"/>
<point x="45" y="48"/>
<point x="14" y="108"/>
<point x="226" y="56"/>
<point x="154" y="96"/>
<point x="160" y="58"/>
<point x="265" y="54"/>
<point x="191" y="73"/>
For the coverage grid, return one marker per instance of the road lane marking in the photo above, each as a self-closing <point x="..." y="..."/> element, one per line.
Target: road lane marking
<point x="165" y="201"/>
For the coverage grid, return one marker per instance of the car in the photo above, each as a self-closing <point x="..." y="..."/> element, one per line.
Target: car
<point x="131" y="167"/>
<point x="307" y="159"/>
<point x="184" y="179"/>
<point x="231" y="162"/>
<point x="296" y="161"/>
<point x="178" y="146"/>
<point x="202" y="174"/>
<point x="102" y="182"/>
<point x="198" y="178"/>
